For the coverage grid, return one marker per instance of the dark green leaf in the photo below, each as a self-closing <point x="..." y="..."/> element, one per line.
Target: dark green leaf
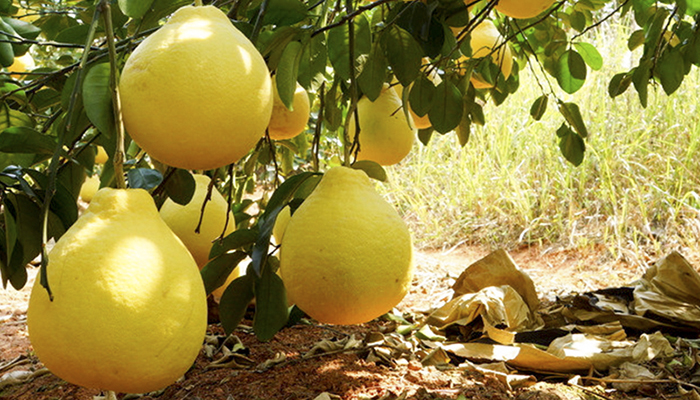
<point x="287" y="71"/>
<point x="539" y="107"/>
<point x="278" y="200"/>
<point x="619" y="84"/>
<point x="180" y="186"/>
<point x="374" y="73"/>
<point x="312" y="66"/>
<point x="284" y="12"/>
<point x="339" y="45"/>
<point x="571" y="145"/>
<point x="74" y="35"/>
<point x="234" y="302"/>
<point x="271" y="312"/>
<point x="144" y="178"/>
<point x="590" y="55"/>
<point x="372" y="169"/>
<point x="403" y="53"/>
<point x="135" y="8"/>
<point x="424" y="135"/>
<point x="97" y="98"/>
<point x="669" y="70"/>
<point x="217" y="270"/>
<point x="447" y="108"/>
<point x="422" y="95"/>
<point x="572" y="115"/>
<point x="7" y="55"/>
<point x="571" y="71"/>
<point x="416" y="19"/>
<point x="20" y="139"/>
<point x="239" y="239"/>
<point x="640" y="79"/>
<point x="63" y="204"/>
<point x="635" y="40"/>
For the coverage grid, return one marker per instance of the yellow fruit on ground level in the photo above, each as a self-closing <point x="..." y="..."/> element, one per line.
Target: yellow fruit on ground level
<point x="196" y="94"/>
<point x="286" y="123"/>
<point x="346" y="256"/>
<point x="89" y="188"/>
<point x="101" y="157"/>
<point x="484" y="38"/>
<point x="386" y="136"/>
<point x="129" y="312"/>
<point x="183" y="220"/>
<point x="21" y="64"/>
<point x="523" y="8"/>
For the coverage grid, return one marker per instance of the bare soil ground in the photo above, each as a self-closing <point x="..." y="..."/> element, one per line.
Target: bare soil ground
<point x="348" y="374"/>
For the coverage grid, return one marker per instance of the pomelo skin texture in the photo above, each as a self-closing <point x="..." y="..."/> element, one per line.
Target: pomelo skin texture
<point x="129" y="312"/>
<point x="346" y="255"/>
<point x="196" y="94"/>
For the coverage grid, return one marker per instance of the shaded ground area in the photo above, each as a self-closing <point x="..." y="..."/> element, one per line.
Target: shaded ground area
<point x="285" y="368"/>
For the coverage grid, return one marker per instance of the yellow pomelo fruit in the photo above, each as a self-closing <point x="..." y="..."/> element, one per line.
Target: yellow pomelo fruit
<point x="196" y="94"/>
<point x="281" y="223"/>
<point x="24" y="63"/>
<point x="523" y="8"/>
<point x="347" y="255"/>
<point x="485" y="37"/>
<point x="101" y="157"/>
<point x="286" y="123"/>
<point x="89" y="188"/>
<point x="129" y="312"/>
<point x="183" y="220"/>
<point x="386" y="136"/>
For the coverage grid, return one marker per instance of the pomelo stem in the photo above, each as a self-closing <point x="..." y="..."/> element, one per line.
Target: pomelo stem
<point x="116" y="102"/>
<point x="198" y="3"/>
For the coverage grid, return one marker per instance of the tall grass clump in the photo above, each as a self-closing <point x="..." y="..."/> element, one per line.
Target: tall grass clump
<point x="637" y="189"/>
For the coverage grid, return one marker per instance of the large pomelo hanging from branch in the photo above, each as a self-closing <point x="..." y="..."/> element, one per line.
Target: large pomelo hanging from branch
<point x="196" y="94"/>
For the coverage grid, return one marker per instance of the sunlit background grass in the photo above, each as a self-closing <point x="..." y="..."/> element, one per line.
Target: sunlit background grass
<point x="638" y="189"/>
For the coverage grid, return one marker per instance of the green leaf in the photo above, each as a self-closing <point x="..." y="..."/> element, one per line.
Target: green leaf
<point x="135" y="8"/>
<point x="74" y="35"/>
<point x="416" y="19"/>
<point x="339" y="45"/>
<point x="10" y="118"/>
<point x="447" y="108"/>
<point x="279" y="199"/>
<point x="144" y="178"/>
<point x="669" y="70"/>
<point x="23" y="140"/>
<point x="374" y="73"/>
<point x="539" y="107"/>
<point x="284" y="12"/>
<point x="271" y="312"/>
<point x="572" y="115"/>
<point x="180" y="186"/>
<point x="640" y="79"/>
<point x="97" y="98"/>
<point x="590" y="55"/>
<point x="571" y="71"/>
<point x="403" y="53"/>
<point x="287" y="71"/>
<point x="312" y="66"/>
<point x="23" y="29"/>
<point x="63" y="204"/>
<point x="571" y="145"/>
<point x="372" y="169"/>
<point x="238" y="239"/>
<point x="234" y="302"/>
<point x="635" y="40"/>
<point x="7" y="55"/>
<point x="424" y="135"/>
<point x="422" y="95"/>
<point x="619" y="84"/>
<point x="217" y="270"/>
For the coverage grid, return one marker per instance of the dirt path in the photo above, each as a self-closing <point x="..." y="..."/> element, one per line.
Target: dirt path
<point x="347" y="375"/>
